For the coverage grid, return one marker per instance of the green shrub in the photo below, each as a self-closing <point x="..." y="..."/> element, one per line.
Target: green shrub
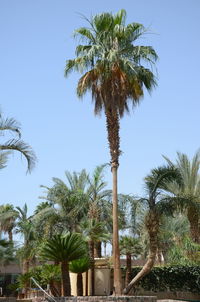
<point x="171" y="278"/>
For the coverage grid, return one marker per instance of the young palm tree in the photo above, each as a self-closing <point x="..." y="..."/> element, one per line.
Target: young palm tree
<point x="94" y="231"/>
<point x="10" y="124"/>
<point x="189" y="189"/>
<point x="130" y="247"/>
<point x="63" y="249"/>
<point x="25" y="227"/>
<point x="114" y="73"/>
<point x="51" y="274"/>
<point x="158" y="204"/>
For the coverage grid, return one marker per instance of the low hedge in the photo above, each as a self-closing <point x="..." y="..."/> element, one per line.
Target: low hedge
<point x="171" y="278"/>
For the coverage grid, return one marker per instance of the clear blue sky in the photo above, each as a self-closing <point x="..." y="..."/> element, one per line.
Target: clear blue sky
<point x="36" y="39"/>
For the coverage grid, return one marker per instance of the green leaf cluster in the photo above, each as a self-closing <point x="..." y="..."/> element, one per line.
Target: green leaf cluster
<point x="171" y="278"/>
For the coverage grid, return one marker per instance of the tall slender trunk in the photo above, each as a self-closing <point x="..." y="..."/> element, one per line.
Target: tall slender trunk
<point x="112" y="121"/>
<point x="128" y="269"/>
<point x="193" y="218"/>
<point x="91" y="252"/>
<point x="116" y="250"/>
<point x="86" y="284"/>
<point x="65" y="280"/>
<point x="152" y="225"/>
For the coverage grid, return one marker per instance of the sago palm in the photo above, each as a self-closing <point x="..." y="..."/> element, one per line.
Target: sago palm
<point x="78" y="267"/>
<point x="63" y="249"/>
<point x="111" y="64"/>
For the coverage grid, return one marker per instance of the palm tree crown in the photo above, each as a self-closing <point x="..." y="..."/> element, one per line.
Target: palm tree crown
<point x="112" y="62"/>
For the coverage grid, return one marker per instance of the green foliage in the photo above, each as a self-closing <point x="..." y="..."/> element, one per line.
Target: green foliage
<point x="171" y="278"/>
<point x="6" y="252"/>
<point x="186" y="252"/>
<point x="66" y="247"/>
<point x="112" y="63"/>
<point x="24" y="280"/>
<point x="50" y="272"/>
<point x="14" y="144"/>
<point x="130" y="245"/>
<point x="80" y="265"/>
<point x="44" y="274"/>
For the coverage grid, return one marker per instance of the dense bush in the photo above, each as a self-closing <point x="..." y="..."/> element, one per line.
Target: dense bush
<point x="171" y="278"/>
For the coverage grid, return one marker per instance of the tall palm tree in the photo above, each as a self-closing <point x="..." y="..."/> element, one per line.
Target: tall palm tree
<point x="159" y="204"/>
<point x="189" y="189"/>
<point x="114" y="73"/>
<point x="15" y="144"/>
<point x="64" y="248"/>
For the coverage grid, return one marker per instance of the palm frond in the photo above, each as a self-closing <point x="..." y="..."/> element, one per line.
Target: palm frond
<point x="24" y="149"/>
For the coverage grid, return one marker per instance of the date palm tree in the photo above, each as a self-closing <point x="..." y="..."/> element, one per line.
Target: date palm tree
<point x="64" y="249"/>
<point x="159" y="204"/>
<point x="114" y="74"/>
<point x="15" y="144"/>
<point x="189" y="189"/>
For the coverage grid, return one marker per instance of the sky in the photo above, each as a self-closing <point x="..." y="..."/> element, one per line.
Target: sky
<point x="36" y="39"/>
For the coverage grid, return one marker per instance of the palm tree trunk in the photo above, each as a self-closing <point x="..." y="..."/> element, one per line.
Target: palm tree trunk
<point x="79" y="284"/>
<point x="112" y="120"/>
<point x="91" y="252"/>
<point x="104" y="246"/>
<point x="97" y="250"/>
<point x="152" y="225"/>
<point x="65" y="281"/>
<point x="193" y="218"/>
<point x="128" y="269"/>
<point x="53" y="290"/>
<point x="25" y="266"/>
<point x="116" y="251"/>
<point x="86" y="284"/>
<point x="10" y="236"/>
